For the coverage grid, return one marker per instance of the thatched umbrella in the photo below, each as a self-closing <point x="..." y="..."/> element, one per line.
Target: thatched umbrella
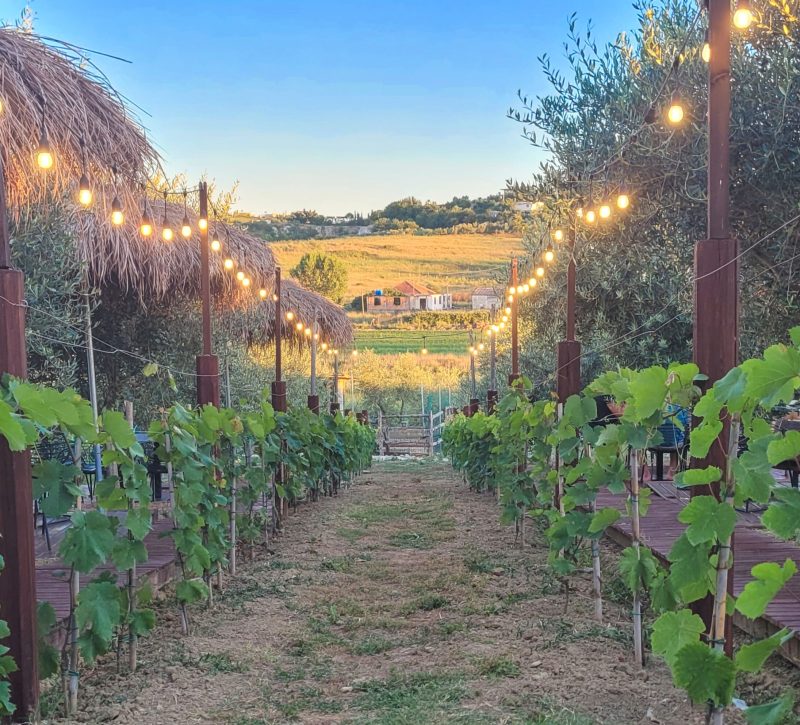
<point x="56" y="89"/>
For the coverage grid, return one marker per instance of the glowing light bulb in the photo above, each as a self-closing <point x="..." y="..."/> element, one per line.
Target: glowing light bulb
<point x="605" y="211"/>
<point x="495" y="329"/>
<point x="511" y="298"/>
<point x="505" y="318"/>
<point x="623" y="201"/>
<point x="117" y="217"/>
<point x="533" y="281"/>
<point x="502" y="325"/>
<point x="558" y="235"/>
<point x="290" y="315"/>
<point x="324" y="346"/>
<point x="579" y="212"/>
<point x="549" y="254"/>
<point x="591" y="217"/>
<point x="481" y="346"/>
<point x="84" y="191"/>
<point x="743" y="17"/>
<point x="216" y="245"/>
<point x="202" y="223"/>
<point x="508" y="310"/>
<point x="675" y="113"/>
<point x="705" y="53"/>
<point x="186" y="229"/>
<point x="146" y="227"/>
<point x="262" y="293"/>
<point x="167" y="234"/>
<point x="540" y="271"/>
<point x="307" y="332"/>
<point x="424" y="350"/>
<point x="526" y="288"/>
<point x="240" y="275"/>
<point x="246" y="281"/>
<point x="228" y="263"/>
<point x="299" y="326"/>
<point x="355" y="353"/>
<point x="44" y="154"/>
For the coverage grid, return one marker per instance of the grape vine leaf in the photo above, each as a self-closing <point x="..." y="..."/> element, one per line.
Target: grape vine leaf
<point x="709" y="520"/>
<point x="768" y="579"/>
<point x="603" y="519"/>
<point x="753" y="473"/>
<point x="11" y="429"/>
<point x="6" y="706"/>
<point x="705" y="673"/>
<point x="783" y="515"/>
<point x="54" y="483"/>
<point x="191" y="590"/>
<point x="648" y="389"/>
<point x="98" y="612"/>
<point x="771" y="713"/>
<point x="703" y="436"/>
<point x="116" y="425"/>
<point x="784" y="448"/>
<point x="49" y="656"/>
<point x="88" y="542"/>
<point x="674" y="630"/>
<point x="640" y="570"/>
<point x="750" y="657"/>
<point x="773" y="377"/>
<point x="689" y="570"/>
<point x="794" y="336"/>
<point x="698" y="476"/>
<point x="127" y="552"/>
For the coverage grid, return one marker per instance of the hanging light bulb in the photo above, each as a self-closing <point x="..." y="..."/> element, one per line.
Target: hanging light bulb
<point x="505" y="318"/>
<point x="166" y="230"/>
<point x="2" y="107"/>
<point x="274" y="298"/>
<point x="540" y="272"/>
<point x="228" y="263"/>
<point x="424" y="350"/>
<point x="623" y="201"/>
<point x="299" y="326"/>
<point x="532" y="282"/>
<point x="481" y="346"/>
<point x="591" y="216"/>
<point x="675" y="112"/>
<point x="354" y="353"/>
<point x="307" y="332"/>
<point x="202" y="223"/>
<point x="186" y="229"/>
<point x="508" y="310"/>
<point x="502" y="325"/>
<point x="262" y="293"/>
<point x="240" y="275"/>
<point x="44" y="154"/>
<point x="117" y="217"/>
<point x="526" y="288"/>
<point x="290" y="315"/>
<point x="511" y="298"/>
<point x="549" y="254"/>
<point x="705" y="53"/>
<point x="495" y="329"/>
<point x="216" y="245"/>
<point x="743" y="17"/>
<point x="84" y="191"/>
<point x="246" y="282"/>
<point x="324" y="346"/>
<point x="558" y="235"/>
<point x="146" y="227"/>
<point x="605" y="211"/>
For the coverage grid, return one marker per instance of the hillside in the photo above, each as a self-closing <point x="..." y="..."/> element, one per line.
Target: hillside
<point x="457" y="262"/>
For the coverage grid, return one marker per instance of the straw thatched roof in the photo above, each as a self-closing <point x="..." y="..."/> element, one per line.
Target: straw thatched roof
<point x="85" y="117"/>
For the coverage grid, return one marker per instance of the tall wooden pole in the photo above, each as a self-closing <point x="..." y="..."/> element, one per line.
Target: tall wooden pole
<point x="279" y="386"/>
<point x="514" y="323"/>
<point x="491" y="394"/>
<point x="474" y="403"/>
<point x="313" y="397"/>
<point x="335" y="397"/>
<point x="568" y="373"/>
<point x="18" y="578"/>
<point x="207" y="363"/>
<point x="716" y="288"/>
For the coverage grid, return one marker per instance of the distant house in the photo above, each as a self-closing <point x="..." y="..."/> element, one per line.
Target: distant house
<point x="484" y="298"/>
<point x="409" y="297"/>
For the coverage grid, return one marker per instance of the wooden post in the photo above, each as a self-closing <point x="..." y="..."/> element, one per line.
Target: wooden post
<point x="335" y="397"/>
<point x="716" y="267"/>
<point x="207" y="363"/>
<point x="18" y="579"/>
<point x="514" y="323"/>
<point x="568" y="373"/>
<point x="430" y="432"/>
<point x="133" y="644"/>
<point x="313" y="397"/>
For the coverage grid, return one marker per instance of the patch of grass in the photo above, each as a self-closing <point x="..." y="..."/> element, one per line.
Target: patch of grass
<point x="426" y="604"/>
<point x="414" y="698"/>
<point x="240" y="591"/>
<point x="497" y="667"/>
<point x="377" y="513"/>
<point x="448" y="628"/>
<point x="615" y="590"/>
<point x="308" y="699"/>
<point x="479" y="563"/>
<point x="351" y="535"/>
<point x="220" y="662"/>
<point x="411" y="540"/>
<point x="340" y="564"/>
<point x="372" y="645"/>
<point x="561" y="631"/>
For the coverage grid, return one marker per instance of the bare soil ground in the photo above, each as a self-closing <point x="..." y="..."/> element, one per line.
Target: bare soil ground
<point x="401" y="601"/>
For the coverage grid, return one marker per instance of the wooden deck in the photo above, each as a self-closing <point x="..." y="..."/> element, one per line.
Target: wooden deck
<point x="752" y="545"/>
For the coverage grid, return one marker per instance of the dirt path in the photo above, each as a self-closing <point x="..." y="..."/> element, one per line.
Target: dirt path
<point x="401" y="601"/>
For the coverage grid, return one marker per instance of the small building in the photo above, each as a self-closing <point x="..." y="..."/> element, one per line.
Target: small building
<point x="485" y="298"/>
<point x="409" y="297"/>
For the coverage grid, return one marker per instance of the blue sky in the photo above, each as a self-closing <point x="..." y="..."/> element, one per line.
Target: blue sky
<point x="335" y="106"/>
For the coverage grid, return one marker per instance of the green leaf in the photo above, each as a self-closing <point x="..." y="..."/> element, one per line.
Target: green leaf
<point x="709" y="520"/>
<point x="54" y="483"/>
<point x="768" y="579"/>
<point x="49" y="656"/>
<point x="705" y="673"/>
<point x="783" y="515"/>
<point x="116" y="425"/>
<point x="11" y="428"/>
<point x="189" y="591"/>
<point x="603" y="519"/>
<point x="138" y="521"/>
<point x="150" y="369"/>
<point x="698" y="476"/>
<point x="127" y="552"/>
<point x="30" y="399"/>
<point x="753" y="473"/>
<point x="690" y="568"/>
<point x="751" y="657"/>
<point x="638" y="571"/>
<point x="88" y="542"/>
<point x="785" y="448"/>
<point x="6" y="706"/>
<point x="771" y="713"/>
<point x="648" y="389"/>
<point x="674" y="630"/>
<point x="794" y="336"/>
<point x="97" y="614"/>
<point x="775" y="377"/>
<point x="703" y="436"/>
<point x="143" y="621"/>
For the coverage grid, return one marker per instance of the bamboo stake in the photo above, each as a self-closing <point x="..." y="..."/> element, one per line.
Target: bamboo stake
<point x="74" y="591"/>
<point x="717" y="634"/>
<point x="638" y="650"/>
<point x="133" y="644"/>
<point x="596" y="579"/>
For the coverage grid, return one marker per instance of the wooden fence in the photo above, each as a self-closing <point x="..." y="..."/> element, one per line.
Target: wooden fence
<point x="415" y="434"/>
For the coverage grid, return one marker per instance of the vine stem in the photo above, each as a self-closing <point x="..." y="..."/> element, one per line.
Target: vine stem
<point x="638" y="650"/>
<point x="717" y="634"/>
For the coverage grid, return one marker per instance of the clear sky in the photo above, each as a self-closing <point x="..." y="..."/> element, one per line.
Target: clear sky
<point x="335" y="106"/>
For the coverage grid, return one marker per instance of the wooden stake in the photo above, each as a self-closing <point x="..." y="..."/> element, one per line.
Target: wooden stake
<point x="638" y="650"/>
<point x="133" y="644"/>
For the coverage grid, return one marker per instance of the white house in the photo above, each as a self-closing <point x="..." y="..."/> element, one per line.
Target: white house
<point x="484" y="298"/>
<point x="409" y="297"/>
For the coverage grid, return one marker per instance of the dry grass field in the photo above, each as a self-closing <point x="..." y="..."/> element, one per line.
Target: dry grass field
<point x="458" y="262"/>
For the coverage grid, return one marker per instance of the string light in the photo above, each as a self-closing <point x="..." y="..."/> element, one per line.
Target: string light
<point x="186" y="229"/>
<point x="117" y="217"/>
<point x="262" y="293"/>
<point x="508" y="310"/>
<point x="502" y="325"/>
<point x="216" y="245"/>
<point x="591" y="216"/>
<point x="511" y="298"/>
<point x="549" y="254"/>
<point x="605" y="211"/>
<point x="495" y="329"/>
<point x="290" y="315"/>
<point x="240" y="275"/>
<point x="532" y="282"/>
<point x="743" y="17"/>
<point x="579" y="212"/>
<point x="424" y="345"/>
<point x="246" y="282"/>
<point x="526" y="288"/>
<point x="228" y="263"/>
<point x="44" y="154"/>
<point x="705" y="53"/>
<point x="623" y="201"/>
<point x="540" y="272"/>
<point x="84" y="190"/>
<point x="274" y="297"/>
<point x="324" y="346"/>
<point x="481" y="346"/>
<point x="146" y="227"/>
<point x="558" y="235"/>
<point x="675" y="113"/>
<point x="505" y="318"/>
<point x="202" y="223"/>
<point x="307" y="332"/>
<point x="166" y="230"/>
<point x="299" y="326"/>
<point x="354" y="353"/>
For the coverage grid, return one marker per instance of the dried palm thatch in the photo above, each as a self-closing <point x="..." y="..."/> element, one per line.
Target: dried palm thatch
<point x="55" y="87"/>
